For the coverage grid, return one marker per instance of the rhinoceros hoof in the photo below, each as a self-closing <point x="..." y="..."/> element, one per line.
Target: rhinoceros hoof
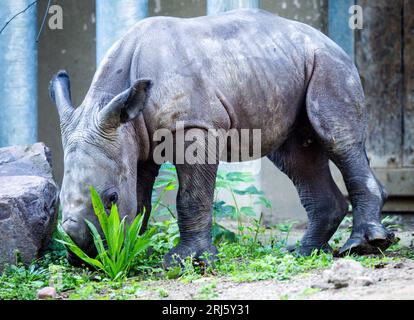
<point x="368" y="239"/>
<point x="199" y="254"/>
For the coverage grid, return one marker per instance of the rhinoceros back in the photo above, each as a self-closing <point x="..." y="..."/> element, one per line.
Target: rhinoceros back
<point x="242" y="69"/>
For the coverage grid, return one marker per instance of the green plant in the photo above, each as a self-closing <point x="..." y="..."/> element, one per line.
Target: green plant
<point x="232" y="182"/>
<point x="163" y="293"/>
<point x="20" y="282"/>
<point x="123" y="242"/>
<point x="308" y="292"/>
<point x="285" y="228"/>
<point x="208" y="291"/>
<point x="391" y="222"/>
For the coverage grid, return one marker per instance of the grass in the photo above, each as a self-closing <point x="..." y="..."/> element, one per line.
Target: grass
<point x="208" y="291"/>
<point x="19" y="282"/>
<point x="243" y="263"/>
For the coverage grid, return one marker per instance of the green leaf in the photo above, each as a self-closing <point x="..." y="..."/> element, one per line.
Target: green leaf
<point x="168" y="166"/>
<point x="114" y="237"/>
<point x="173" y="273"/>
<point x="171" y="186"/>
<point x="163" y="182"/>
<point x="248" y="211"/>
<point x="221" y="234"/>
<point x="266" y="202"/>
<point x="99" y="210"/>
<point x="222" y="210"/>
<point x="239" y="176"/>
<point x="221" y="184"/>
<point x="249" y="190"/>
<point x="67" y="241"/>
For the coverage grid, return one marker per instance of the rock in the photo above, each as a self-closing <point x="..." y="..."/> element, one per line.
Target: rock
<point x="28" y="199"/>
<point x="47" y="293"/>
<point x="33" y="160"/>
<point x="343" y="272"/>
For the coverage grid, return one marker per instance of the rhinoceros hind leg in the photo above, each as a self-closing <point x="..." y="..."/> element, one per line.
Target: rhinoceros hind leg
<point x="303" y="160"/>
<point x="336" y="109"/>
<point x="367" y="196"/>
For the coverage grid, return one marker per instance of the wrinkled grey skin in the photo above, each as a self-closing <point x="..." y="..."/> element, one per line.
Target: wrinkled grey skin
<point x="242" y="69"/>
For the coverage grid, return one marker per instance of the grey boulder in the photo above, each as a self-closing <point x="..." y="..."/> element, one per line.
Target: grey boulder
<point x="33" y="160"/>
<point x="28" y="202"/>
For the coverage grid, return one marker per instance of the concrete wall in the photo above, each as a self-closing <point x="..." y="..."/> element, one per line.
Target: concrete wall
<point x="73" y="49"/>
<point x="312" y="12"/>
<point x="177" y="8"/>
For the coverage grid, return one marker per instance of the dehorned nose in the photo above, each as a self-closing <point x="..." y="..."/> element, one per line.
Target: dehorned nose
<point x="76" y="229"/>
<point x="72" y="227"/>
<point x="69" y="220"/>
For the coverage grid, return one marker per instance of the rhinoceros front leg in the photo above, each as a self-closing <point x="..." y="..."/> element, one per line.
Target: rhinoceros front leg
<point x="194" y="209"/>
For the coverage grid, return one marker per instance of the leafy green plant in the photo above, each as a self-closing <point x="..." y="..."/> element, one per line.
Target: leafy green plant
<point x="232" y="183"/>
<point x="163" y="293"/>
<point x="285" y="228"/>
<point x="20" y="282"/>
<point x="123" y="242"/>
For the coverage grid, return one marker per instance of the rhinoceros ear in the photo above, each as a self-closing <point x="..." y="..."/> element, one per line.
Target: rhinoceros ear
<point x="126" y="105"/>
<point x="59" y="90"/>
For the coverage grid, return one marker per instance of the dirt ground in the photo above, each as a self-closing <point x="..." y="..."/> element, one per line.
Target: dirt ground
<point x="393" y="280"/>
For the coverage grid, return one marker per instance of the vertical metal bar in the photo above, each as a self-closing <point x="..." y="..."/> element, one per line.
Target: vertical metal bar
<point x="338" y="25"/>
<point x="18" y="74"/>
<point x="113" y="19"/>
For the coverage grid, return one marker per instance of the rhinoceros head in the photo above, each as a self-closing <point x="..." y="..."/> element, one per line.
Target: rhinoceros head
<point x="100" y="150"/>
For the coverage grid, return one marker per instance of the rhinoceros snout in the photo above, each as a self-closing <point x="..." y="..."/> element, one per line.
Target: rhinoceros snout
<point x="79" y="233"/>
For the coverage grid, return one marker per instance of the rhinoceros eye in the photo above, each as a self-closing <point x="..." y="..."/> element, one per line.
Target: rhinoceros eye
<point x="110" y="197"/>
<point x="113" y="198"/>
